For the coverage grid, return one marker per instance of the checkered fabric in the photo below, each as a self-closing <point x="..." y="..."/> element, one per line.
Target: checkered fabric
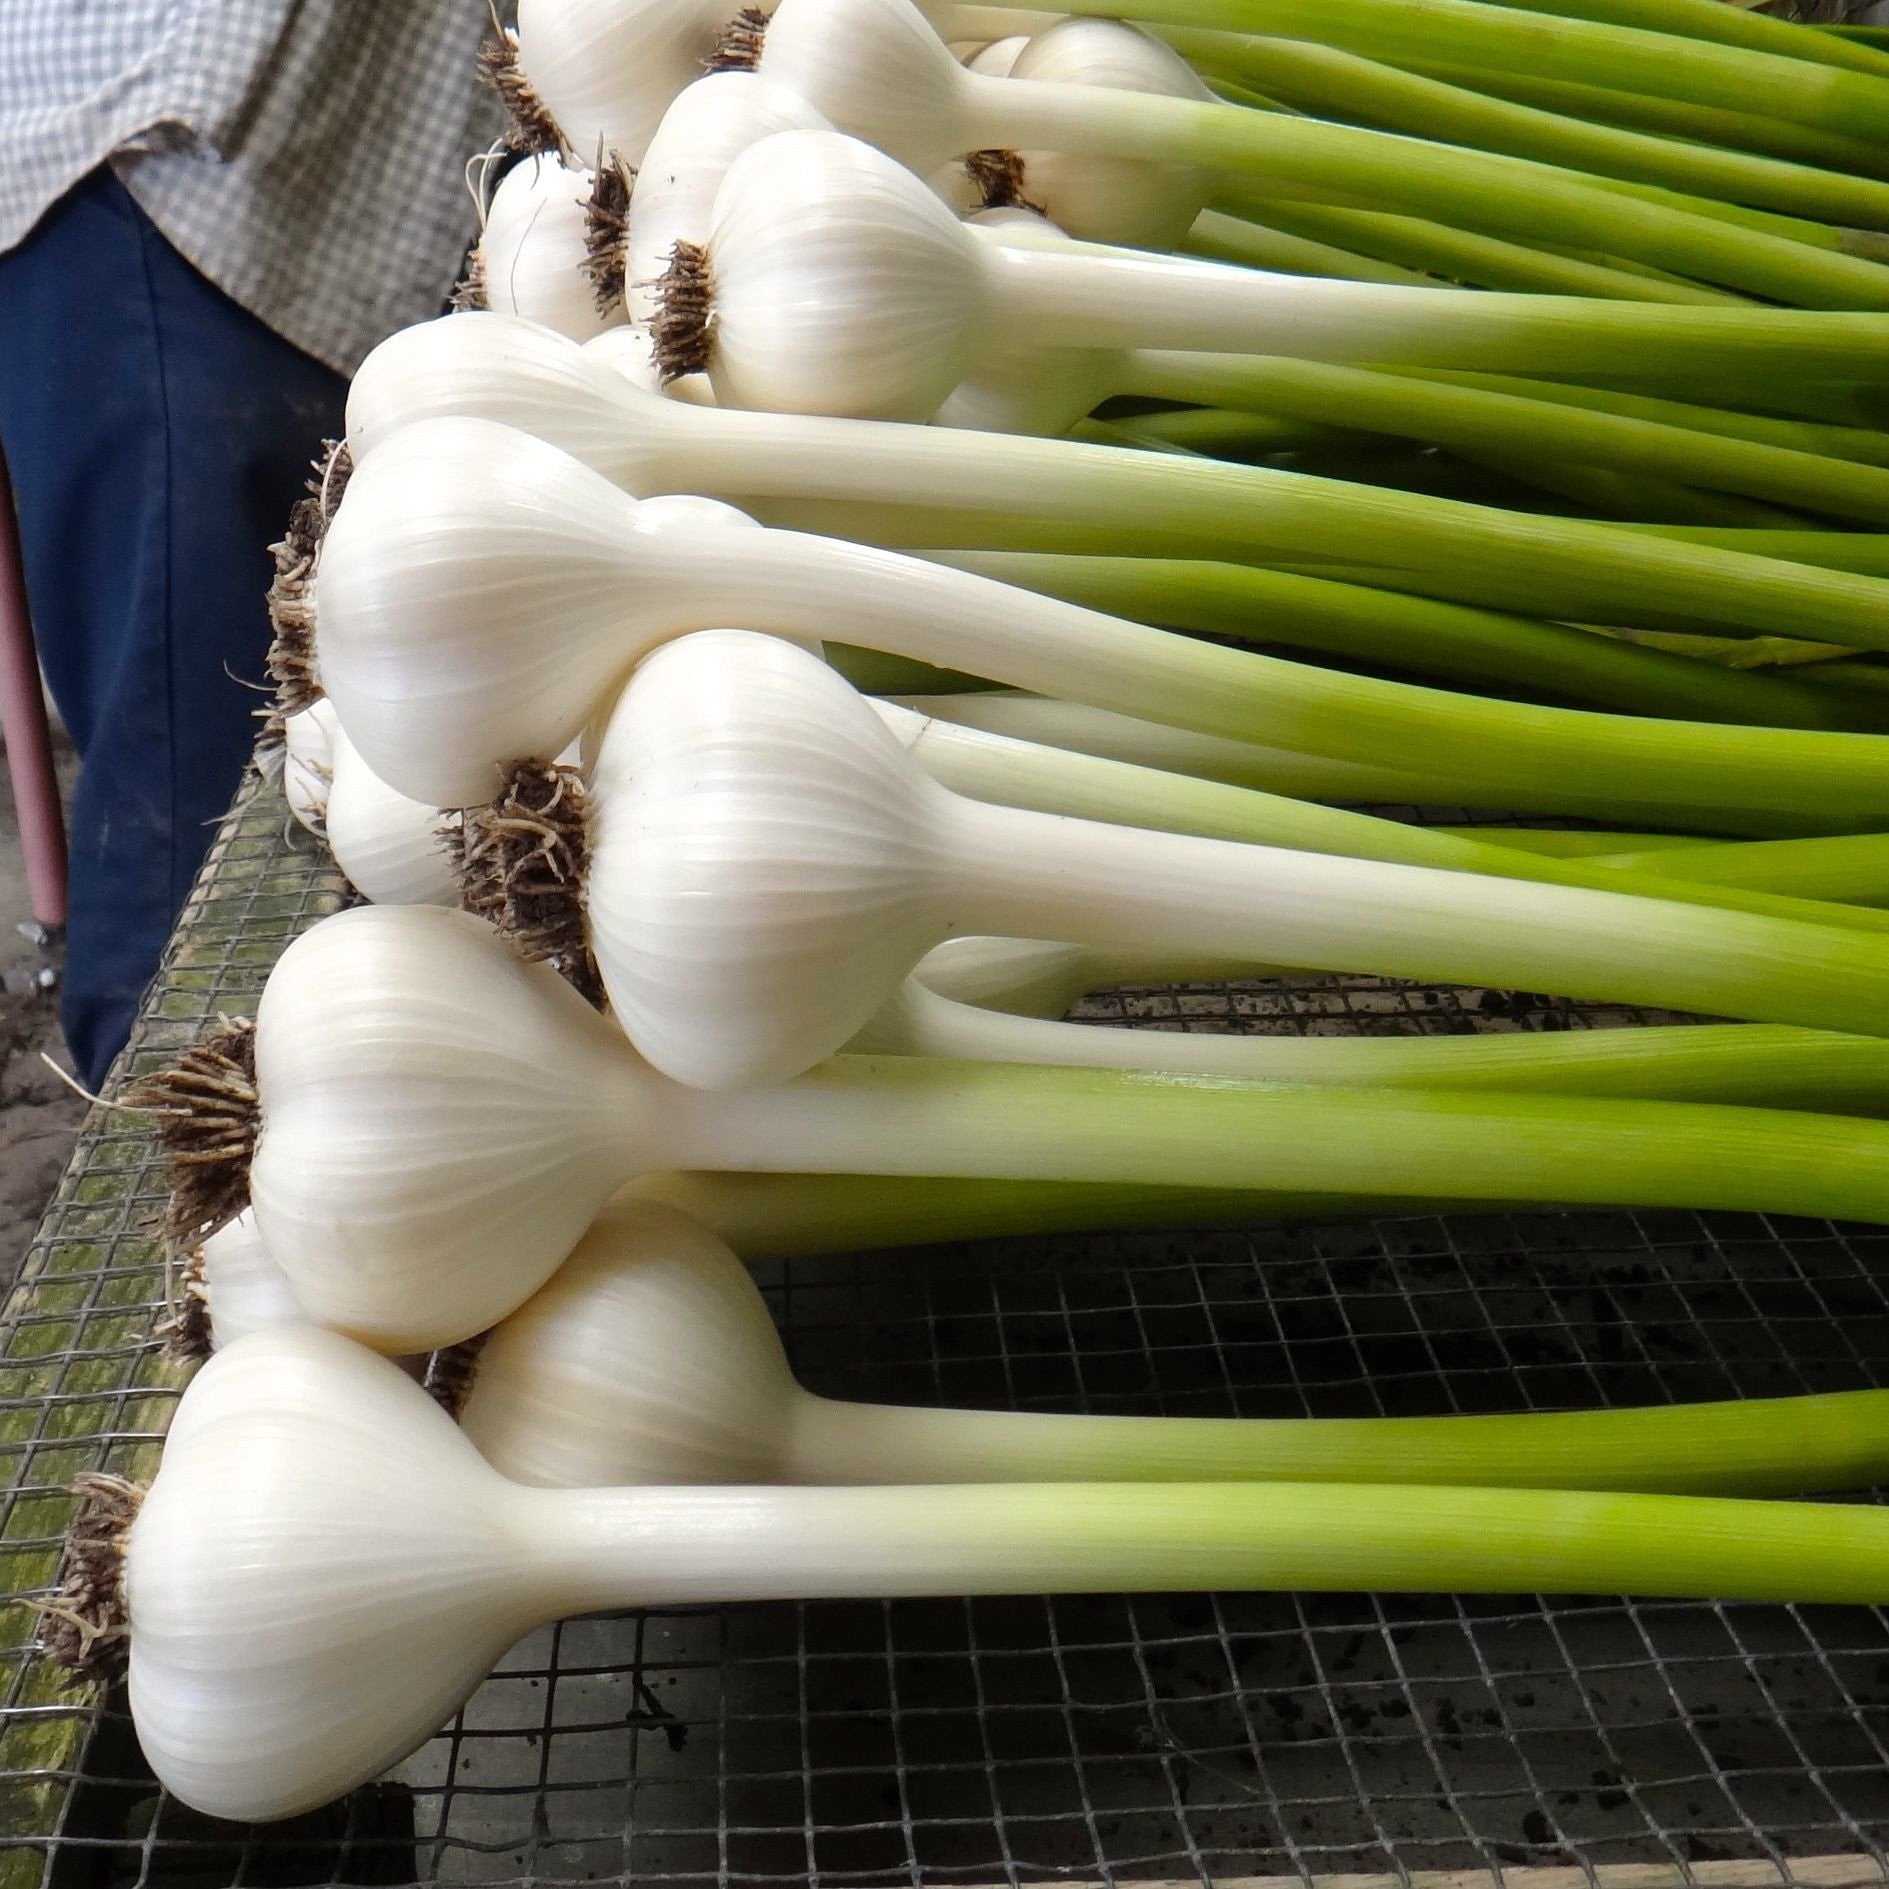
<point x="306" y="155"/>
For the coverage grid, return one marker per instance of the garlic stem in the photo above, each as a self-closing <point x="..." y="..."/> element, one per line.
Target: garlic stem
<point x="1581" y="50"/>
<point x="1420" y="634"/>
<point x="1752" y="1065"/>
<point x="1853" y="868"/>
<point x="440" y="1121"/>
<point x="1866" y="446"/>
<point x="1050" y="758"/>
<point x="1730" y="26"/>
<point x="1749" y="129"/>
<point x="1392" y="248"/>
<point x="324" y="1568"/>
<point x="1114" y="301"/>
<point x="1346" y="85"/>
<point x="1473" y="419"/>
<point x="1260" y="242"/>
<point x="1163" y="751"/>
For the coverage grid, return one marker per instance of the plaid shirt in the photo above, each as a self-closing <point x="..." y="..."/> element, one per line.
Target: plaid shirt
<point x="306" y="155"/>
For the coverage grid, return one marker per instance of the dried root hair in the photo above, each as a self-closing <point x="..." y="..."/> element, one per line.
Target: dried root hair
<point x="529" y="126"/>
<point x="84" y="1626"/>
<point x="449" y="1373"/>
<point x="681" y="331"/>
<point x="738" y="48"/>
<point x="607" y="231"/>
<point x="185" y="1329"/>
<point x="998" y="178"/>
<point x="470" y="291"/>
<point x="208" y="1116"/>
<point x="521" y="864"/>
<point x="291" y="658"/>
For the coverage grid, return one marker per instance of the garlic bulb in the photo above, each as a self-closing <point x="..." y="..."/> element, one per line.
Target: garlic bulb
<point x="391" y="848"/>
<point x="767" y="863"/>
<point x="706" y="126"/>
<point x="651" y="1358"/>
<point x="878" y="70"/>
<point x="1111" y="199"/>
<point x="861" y="273"/>
<point x="324" y="1567"/>
<point x="995" y="59"/>
<point x="239" y="1287"/>
<point x="607" y="70"/>
<point x="532" y="251"/>
<point x="308" y="738"/>
<point x="315" y="1581"/>
<point x="631" y="351"/>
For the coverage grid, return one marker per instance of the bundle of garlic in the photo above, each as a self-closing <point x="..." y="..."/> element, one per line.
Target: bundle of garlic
<point x="1055" y="383"/>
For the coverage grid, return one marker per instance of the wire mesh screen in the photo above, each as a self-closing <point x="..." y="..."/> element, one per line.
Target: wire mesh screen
<point x="1174" y="1739"/>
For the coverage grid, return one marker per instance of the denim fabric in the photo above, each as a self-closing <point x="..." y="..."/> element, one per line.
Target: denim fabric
<point x="157" y="435"/>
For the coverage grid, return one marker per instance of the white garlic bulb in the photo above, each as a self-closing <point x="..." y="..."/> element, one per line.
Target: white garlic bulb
<point x="606" y="70"/>
<point x="316" y="1579"/>
<point x="391" y="848"/>
<point x="1111" y="199"/>
<point x="242" y="1288"/>
<point x="995" y="58"/>
<point x="532" y="250"/>
<point x="308" y="738"/>
<point x="834" y="269"/>
<point x="707" y="126"/>
<point x="648" y="1357"/>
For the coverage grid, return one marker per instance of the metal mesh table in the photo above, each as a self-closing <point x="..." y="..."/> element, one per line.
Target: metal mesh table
<point x="1181" y="1740"/>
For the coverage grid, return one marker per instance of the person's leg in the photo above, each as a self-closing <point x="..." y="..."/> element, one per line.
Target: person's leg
<point x="157" y="435"/>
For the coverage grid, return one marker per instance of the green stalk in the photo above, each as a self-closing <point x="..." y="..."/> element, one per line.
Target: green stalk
<point x="1608" y="496"/>
<point x="1852" y="868"/>
<point x="1178" y="762"/>
<point x="1512" y="196"/>
<point x="1863" y="445"/>
<point x="1256" y="246"/>
<point x="1865" y="553"/>
<point x="1345" y="85"/>
<point x="1007" y="751"/>
<point x="1475" y="554"/>
<point x="1702" y="124"/>
<point x="1868" y="676"/>
<point x="1721" y="1063"/>
<point x="1728" y="26"/>
<point x="1554" y="842"/>
<point x="1751" y="1447"/>
<point x="1464" y="256"/>
<point x="790" y="1216"/>
<point x="1018" y="1119"/>
<point x="671" y="1546"/>
<point x="1825" y="400"/>
<point x="1449" y="640"/>
<point x="1216" y="434"/>
<point x="1473" y="34"/>
<point x="1474" y="419"/>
